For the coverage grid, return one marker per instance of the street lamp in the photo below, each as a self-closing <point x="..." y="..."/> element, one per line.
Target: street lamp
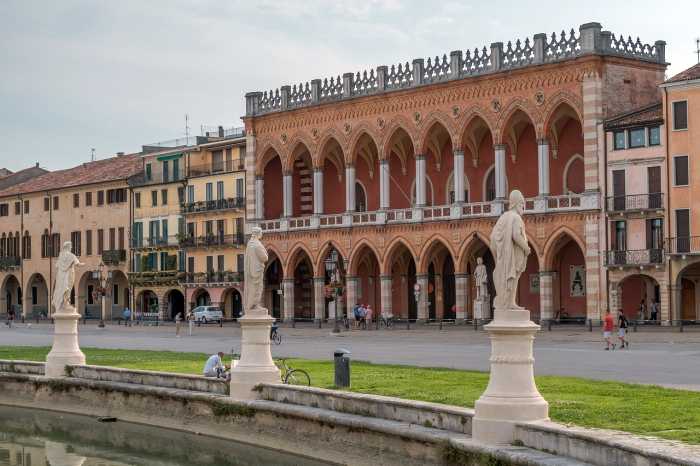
<point x="331" y="264"/>
<point x="102" y="278"/>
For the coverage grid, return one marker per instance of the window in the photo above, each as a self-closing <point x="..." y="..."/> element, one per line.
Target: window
<point x="210" y="264"/>
<point x="239" y="188"/>
<point x="55" y="244"/>
<point x="47" y="204"/>
<point x="45" y="244"/>
<point x="75" y="243"/>
<point x="154" y="198"/>
<point x="620" y="238"/>
<point x="115" y="294"/>
<point x="18" y="208"/>
<point x="4" y="210"/>
<point x="88" y="242"/>
<point x="137" y="235"/>
<point x="176" y="169"/>
<point x="148" y="172"/>
<point x="164" y="196"/>
<point x="190" y="265"/>
<point x="112" y="239"/>
<point x="654" y="136"/>
<point x="76" y="200"/>
<point x="120" y="238"/>
<point x="100" y="241"/>
<point x="619" y="138"/>
<point x="26" y="207"/>
<point x="682" y="230"/>
<point x="209" y="227"/>
<point x="88" y="199"/>
<point x="210" y="193"/>
<point x="166" y="171"/>
<point x="680" y="168"/>
<point x="217" y="161"/>
<point x="190" y="194"/>
<point x="164" y="229"/>
<point x="219" y="189"/>
<point x="137" y="200"/>
<point x="100" y="197"/>
<point x="240" y="260"/>
<point x="637" y="138"/>
<point x="27" y="246"/>
<point x="220" y="263"/>
<point x="116" y="195"/>
<point x="90" y="296"/>
<point x="55" y="203"/>
<point x="181" y="261"/>
<point x="180" y="195"/>
<point x="680" y="115"/>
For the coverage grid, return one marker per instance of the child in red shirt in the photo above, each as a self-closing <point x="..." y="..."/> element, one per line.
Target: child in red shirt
<point x="608" y="326"/>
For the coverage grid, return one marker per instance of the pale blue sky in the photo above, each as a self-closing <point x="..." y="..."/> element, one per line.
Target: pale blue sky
<point x="78" y="74"/>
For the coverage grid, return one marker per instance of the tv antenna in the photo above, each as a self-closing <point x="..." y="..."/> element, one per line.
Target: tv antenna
<point x="92" y="154"/>
<point x="697" y="48"/>
<point x="187" y="128"/>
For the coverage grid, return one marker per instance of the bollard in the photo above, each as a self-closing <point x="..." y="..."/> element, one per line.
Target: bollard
<point x="342" y="368"/>
<point x="634" y="328"/>
<point x="590" y="325"/>
<point x="680" y="326"/>
<point x="549" y="324"/>
<point x="408" y="323"/>
<point x="476" y="324"/>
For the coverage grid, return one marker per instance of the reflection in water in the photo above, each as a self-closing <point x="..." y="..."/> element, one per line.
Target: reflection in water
<point x="38" y="438"/>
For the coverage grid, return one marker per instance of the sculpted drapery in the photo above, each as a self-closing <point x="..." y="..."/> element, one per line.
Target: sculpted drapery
<point x="254" y="271"/>
<point x="65" y="278"/>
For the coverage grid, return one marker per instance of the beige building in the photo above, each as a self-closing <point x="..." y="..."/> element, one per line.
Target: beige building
<point x="87" y="205"/>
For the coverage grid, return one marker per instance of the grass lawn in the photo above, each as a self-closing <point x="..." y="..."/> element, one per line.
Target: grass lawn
<point x="641" y="409"/>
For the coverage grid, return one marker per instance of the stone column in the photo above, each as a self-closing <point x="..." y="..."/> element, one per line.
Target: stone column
<point x="319" y="299"/>
<point x="422" y="280"/>
<point x="511" y="396"/>
<point x="318" y="191"/>
<point x="384" y="184"/>
<point x="287" y="199"/>
<point x="462" y="292"/>
<point x="677" y="311"/>
<point x="500" y="170"/>
<point x="351" y="293"/>
<point x="385" y="295"/>
<point x="592" y="88"/>
<point x="288" y="299"/>
<point x="458" y="176"/>
<point x="546" y="297"/>
<point x="420" y="181"/>
<point x="66" y="349"/>
<point x="543" y="166"/>
<point x="350" y="188"/>
<point x="259" y="198"/>
<point x="593" y="268"/>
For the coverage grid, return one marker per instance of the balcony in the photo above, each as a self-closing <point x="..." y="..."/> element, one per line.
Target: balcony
<point x="635" y="203"/>
<point x="114" y="256"/>
<point x="156" y="278"/>
<point x="216" y="167"/>
<point x="233" y="132"/>
<point x="634" y="258"/>
<point x="230" y="203"/>
<point x="140" y="179"/>
<point x="211" y="278"/>
<point x="551" y="204"/>
<point x="683" y="245"/>
<point x="213" y="241"/>
<point x="162" y="242"/>
<point x="9" y="262"/>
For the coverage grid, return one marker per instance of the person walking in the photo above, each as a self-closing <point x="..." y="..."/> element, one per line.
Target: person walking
<point x="622" y="325"/>
<point x="608" y="327"/>
<point x="10" y="316"/>
<point x="190" y="322"/>
<point x="654" y="311"/>
<point x="178" y="324"/>
<point x="642" y="309"/>
<point x="368" y="317"/>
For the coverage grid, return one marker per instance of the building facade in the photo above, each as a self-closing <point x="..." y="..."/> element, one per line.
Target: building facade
<point x="402" y="171"/>
<point x="87" y="205"/>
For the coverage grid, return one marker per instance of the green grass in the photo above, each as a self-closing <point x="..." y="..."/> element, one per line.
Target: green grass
<point x="641" y="409"/>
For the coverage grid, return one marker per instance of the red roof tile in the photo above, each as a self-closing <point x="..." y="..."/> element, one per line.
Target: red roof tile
<point x="101" y="171"/>
<point x="691" y="73"/>
<point x="639" y="117"/>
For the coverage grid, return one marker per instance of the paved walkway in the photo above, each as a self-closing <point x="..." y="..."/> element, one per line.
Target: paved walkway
<point x="656" y="356"/>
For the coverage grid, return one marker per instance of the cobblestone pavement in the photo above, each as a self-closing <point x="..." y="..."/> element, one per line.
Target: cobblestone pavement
<point x="657" y="356"/>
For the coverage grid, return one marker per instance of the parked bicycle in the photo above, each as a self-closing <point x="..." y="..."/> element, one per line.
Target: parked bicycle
<point x="275" y="335"/>
<point x="291" y="376"/>
<point x="387" y="322"/>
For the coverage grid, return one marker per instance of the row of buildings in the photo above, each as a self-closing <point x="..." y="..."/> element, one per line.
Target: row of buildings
<point x="389" y="181"/>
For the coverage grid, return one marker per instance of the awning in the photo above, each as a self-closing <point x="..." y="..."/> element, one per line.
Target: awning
<point x="169" y="157"/>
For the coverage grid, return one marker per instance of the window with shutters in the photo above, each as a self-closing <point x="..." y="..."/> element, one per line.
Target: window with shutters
<point x="4" y="210"/>
<point x="55" y="244"/>
<point x="27" y="246"/>
<point x="88" y="199"/>
<point x="112" y="238"/>
<point x="210" y="192"/>
<point x="88" y="242"/>
<point x="26" y="207"/>
<point x="180" y="195"/>
<point x="680" y="170"/>
<point x="164" y="197"/>
<point x="76" y="200"/>
<point x="100" y="241"/>
<point x="75" y="243"/>
<point x="18" y="208"/>
<point x="240" y="188"/>
<point x="154" y="198"/>
<point x="55" y="203"/>
<point x="120" y="238"/>
<point x="210" y="264"/>
<point x="100" y="197"/>
<point x="219" y="189"/>
<point x="137" y="200"/>
<point x="217" y="161"/>
<point x="680" y="115"/>
<point x="47" y="204"/>
<point x="190" y="265"/>
<point x="220" y="263"/>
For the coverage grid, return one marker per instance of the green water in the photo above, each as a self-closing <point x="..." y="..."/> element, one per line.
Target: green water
<point x="39" y="438"/>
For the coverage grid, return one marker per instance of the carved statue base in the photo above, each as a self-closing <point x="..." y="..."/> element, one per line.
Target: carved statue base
<point x="511" y="396"/>
<point x="482" y="308"/>
<point x="66" y="349"/>
<point x="256" y="365"/>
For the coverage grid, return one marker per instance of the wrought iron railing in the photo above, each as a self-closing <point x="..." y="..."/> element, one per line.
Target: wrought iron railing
<point x="213" y="240"/>
<point x="155" y="242"/>
<point x="216" y="167"/>
<point x="9" y="262"/>
<point x="637" y="257"/>
<point x="218" y="204"/>
<point x="212" y="277"/>
<point x="635" y="202"/>
<point x="221" y="132"/>
<point x="114" y="256"/>
<point x="683" y="245"/>
<point x="158" y="278"/>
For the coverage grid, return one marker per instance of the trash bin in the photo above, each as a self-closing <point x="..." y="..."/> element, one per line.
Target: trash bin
<point x="341" y="357"/>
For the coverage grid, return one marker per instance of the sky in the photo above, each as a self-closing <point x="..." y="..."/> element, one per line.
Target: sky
<point x="113" y="75"/>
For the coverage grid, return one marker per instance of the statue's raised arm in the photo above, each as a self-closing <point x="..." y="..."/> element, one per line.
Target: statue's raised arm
<point x="65" y="279"/>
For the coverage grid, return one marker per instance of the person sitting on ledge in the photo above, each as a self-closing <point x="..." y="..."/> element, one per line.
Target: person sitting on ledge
<point x="214" y="367"/>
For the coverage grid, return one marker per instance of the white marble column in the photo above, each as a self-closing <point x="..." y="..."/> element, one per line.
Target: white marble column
<point x="350" y="293"/>
<point x="384" y="184"/>
<point x="420" y="181"/>
<point x="458" y="176"/>
<point x="462" y="298"/>
<point x="543" y="166"/>
<point x="422" y="280"/>
<point x="350" y="188"/>
<point x="319" y="299"/>
<point x="546" y="296"/>
<point x="386" y="296"/>
<point x="500" y="175"/>
<point x="288" y="300"/>
<point x="318" y="191"/>
<point x="259" y="197"/>
<point x="287" y="195"/>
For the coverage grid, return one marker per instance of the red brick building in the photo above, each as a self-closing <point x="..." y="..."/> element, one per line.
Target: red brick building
<point x="365" y="164"/>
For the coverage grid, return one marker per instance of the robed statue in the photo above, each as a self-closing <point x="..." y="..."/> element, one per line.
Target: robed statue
<point x="510" y="250"/>
<point x="65" y="278"/>
<point x="481" y="280"/>
<point x="253" y="272"/>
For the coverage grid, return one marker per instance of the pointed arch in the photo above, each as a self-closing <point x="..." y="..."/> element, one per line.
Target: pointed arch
<point x="556" y="240"/>
<point x="390" y="251"/>
<point x="299" y="145"/>
<point x="561" y="103"/>
<point x="331" y="137"/>
<point x="477" y="240"/>
<point x="475" y="125"/>
<point x="431" y="245"/>
<point x="293" y="259"/>
<point x="514" y="107"/>
<point x="356" y="252"/>
<point x="398" y="122"/>
<point x="363" y="129"/>
<point x="433" y="119"/>
<point x="269" y="151"/>
<point x="565" y="176"/>
<point x="327" y="247"/>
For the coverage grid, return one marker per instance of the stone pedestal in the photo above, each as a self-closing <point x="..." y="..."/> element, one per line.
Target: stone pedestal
<point x="66" y="349"/>
<point x="511" y="396"/>
<point x="482" y="309"/>
<point x="256" y="365"/>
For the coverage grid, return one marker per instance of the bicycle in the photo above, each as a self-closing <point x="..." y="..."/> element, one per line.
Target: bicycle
<point x="387" y="322"/>
<point x="275" y="336"/>
<point x="291" y="376"/>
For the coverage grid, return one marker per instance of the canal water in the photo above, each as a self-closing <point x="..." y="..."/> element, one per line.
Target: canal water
<point x="39" y="438"/>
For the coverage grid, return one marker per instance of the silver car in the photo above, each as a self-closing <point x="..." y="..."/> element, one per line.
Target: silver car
<point x="205" y="314"/>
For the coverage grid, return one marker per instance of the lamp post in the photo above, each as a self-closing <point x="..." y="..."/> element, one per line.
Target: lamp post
<point x="331" y="264"/>
<point x="102" y="278"/>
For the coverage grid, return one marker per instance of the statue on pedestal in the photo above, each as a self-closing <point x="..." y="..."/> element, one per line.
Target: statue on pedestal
<point x="481" y="280"/>
<point x="253" y="272"/>
<point x="510" y="250"/>
<point x="65" y="278"/>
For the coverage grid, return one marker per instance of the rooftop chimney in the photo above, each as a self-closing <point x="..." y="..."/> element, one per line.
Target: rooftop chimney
<point x="119" y="154"/>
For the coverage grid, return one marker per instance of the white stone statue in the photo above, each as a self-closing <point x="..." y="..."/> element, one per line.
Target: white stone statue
<point x="510" y="250"/>
<point x="65" y="279"/>
<point x="253" y="272"/>
<point x="481" y="280"/>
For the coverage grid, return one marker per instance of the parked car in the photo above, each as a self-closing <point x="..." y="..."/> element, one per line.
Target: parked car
<point x="205" y="314"/>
